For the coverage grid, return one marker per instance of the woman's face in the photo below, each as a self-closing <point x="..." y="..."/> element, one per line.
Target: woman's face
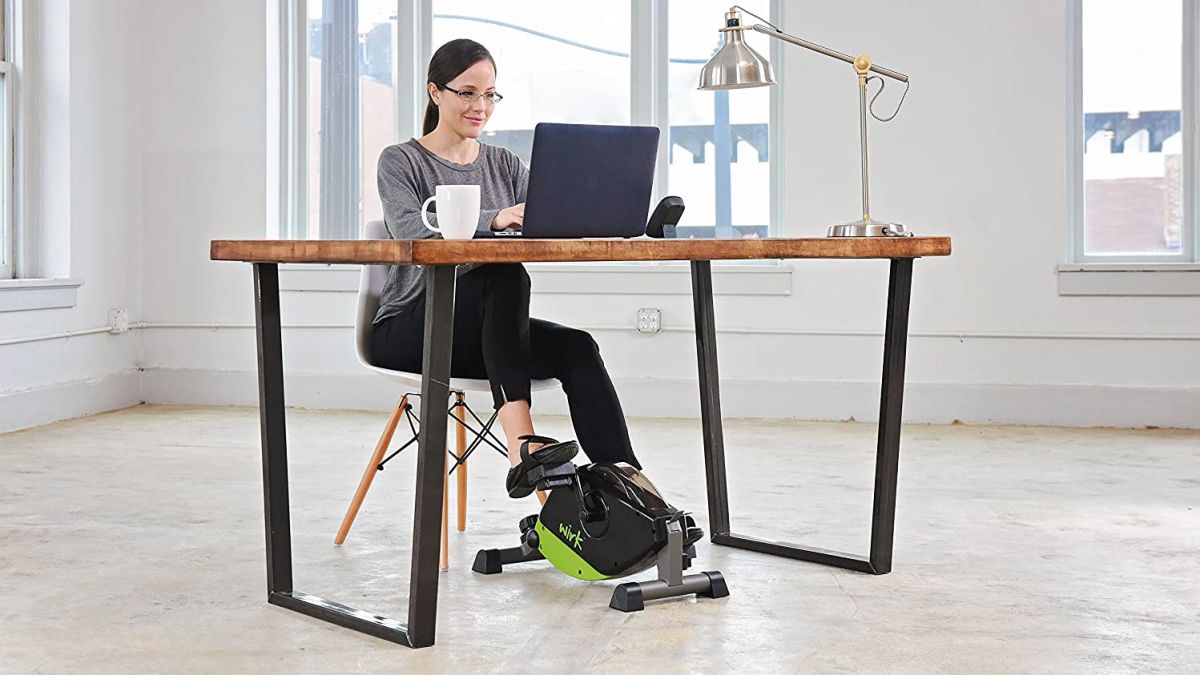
<point x="466" y="118"/>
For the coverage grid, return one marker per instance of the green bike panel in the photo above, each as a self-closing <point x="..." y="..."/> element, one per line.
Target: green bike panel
<point x="563" y="556"/>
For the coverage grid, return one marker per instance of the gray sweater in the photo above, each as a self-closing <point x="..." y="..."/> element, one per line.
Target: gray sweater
<point x="408" y="174"/>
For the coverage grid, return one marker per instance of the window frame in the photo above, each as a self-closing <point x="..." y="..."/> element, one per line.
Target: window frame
<point x="412" y="48"/>
<point x="8" y="252"/>
<point x="8" y="145"/>
<point x="1189" y="248"/>
<point x="290" y="210"/>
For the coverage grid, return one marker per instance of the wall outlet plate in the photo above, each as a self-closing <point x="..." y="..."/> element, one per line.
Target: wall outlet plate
<point x="649" y="320"/>
<point x="118" y="321"/>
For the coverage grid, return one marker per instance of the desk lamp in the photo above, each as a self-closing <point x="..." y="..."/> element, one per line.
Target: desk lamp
<point x="737" y="66"/>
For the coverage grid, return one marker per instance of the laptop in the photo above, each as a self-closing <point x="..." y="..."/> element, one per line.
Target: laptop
<point x="588" y="180"/>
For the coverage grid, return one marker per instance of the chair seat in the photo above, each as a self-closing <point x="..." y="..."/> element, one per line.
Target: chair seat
<point x="459" y="383"/>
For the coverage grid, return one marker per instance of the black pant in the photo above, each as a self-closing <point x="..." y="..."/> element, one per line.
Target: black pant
<point x="495" y="339"/>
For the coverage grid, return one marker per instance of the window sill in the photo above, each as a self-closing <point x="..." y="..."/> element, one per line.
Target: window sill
<point x="668" y="278"/>
<point x="1129" y="279"/>
<point x="19" y="295"/>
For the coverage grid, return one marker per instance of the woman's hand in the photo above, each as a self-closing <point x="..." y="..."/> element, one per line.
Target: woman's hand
<point x="513" y="216"/>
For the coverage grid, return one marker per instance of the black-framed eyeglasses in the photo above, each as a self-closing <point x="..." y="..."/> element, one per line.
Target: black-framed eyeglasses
<point x="489" y="97"/>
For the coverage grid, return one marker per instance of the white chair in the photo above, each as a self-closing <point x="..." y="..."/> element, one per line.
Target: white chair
<point x="370" y="285"/>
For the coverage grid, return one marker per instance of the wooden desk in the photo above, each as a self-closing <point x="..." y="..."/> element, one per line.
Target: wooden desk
<point x="441" y="258"/>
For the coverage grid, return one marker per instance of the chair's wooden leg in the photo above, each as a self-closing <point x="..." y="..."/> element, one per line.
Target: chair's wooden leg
<point x="369" y="473"/>
<point x="445" y="558"/>
<point x="461" y="413"/>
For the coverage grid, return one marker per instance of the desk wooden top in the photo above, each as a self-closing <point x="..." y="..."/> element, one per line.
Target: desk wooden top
<point x="443" y="252"/>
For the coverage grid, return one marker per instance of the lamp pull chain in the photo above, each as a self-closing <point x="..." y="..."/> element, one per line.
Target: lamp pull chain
<point x="883" y="85"/>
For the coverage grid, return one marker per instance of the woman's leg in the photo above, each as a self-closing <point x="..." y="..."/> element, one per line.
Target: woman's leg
<point x="491" y="341"/>
<point x="505" y="347"/>
<point x="572" y="357"/>
<point x="516" y="421"/>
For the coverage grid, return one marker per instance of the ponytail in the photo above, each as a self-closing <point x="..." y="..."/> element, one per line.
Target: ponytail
<point x="431" y="118"/>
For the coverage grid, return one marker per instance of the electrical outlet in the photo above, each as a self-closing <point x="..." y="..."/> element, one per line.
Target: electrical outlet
<point x="118" y="321"/>
<point x="649" y="320"/>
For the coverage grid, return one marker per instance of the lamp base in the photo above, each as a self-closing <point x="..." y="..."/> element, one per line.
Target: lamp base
<point x="869" y="228"/>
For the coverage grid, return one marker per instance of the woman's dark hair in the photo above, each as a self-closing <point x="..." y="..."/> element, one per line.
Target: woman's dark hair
<point x="448" y="62"/>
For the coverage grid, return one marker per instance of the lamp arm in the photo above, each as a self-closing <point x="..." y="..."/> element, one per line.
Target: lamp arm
<point x="812" y="46"/>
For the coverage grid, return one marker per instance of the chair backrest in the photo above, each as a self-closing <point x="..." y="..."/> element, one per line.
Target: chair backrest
<point x="370" y="285"/>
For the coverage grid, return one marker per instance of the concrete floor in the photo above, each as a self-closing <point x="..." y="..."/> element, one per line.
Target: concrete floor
<point x="133" y="542"/>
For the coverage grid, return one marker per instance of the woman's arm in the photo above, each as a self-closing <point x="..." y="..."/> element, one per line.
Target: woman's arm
<point x="397" y="183"/>
<point x="520" y="177"/>
<point x="517" y="176"/>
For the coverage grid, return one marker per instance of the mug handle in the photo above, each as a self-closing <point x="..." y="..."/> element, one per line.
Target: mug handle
<point x="425" y="214"/>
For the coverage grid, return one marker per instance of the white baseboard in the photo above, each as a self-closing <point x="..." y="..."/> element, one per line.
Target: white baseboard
<point x="183" y="386"/>
<point x="933" y="403"/>
<point x="32" y="407"/>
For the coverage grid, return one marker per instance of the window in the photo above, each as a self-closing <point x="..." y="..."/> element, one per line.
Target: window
<point x="350" y="108"/>
<point x="719" y="160"/>
<point x="580" y="62"/>
<point x="7" y="142"/>
<point x="1135" y="152"/>
<point x="556" y="61"/>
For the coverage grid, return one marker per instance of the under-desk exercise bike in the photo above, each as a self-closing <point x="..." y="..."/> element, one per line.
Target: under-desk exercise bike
<point x="602" y="521"/>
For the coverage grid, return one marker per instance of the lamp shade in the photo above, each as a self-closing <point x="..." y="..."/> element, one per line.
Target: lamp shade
<point x="735" y="66"/>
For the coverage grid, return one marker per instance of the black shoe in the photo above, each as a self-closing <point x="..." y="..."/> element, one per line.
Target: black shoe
<point x="553" y="452"/>
<point x="691" y="531"/>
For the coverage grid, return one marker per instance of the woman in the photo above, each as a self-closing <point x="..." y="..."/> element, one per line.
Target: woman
<point x="494" y="337"/>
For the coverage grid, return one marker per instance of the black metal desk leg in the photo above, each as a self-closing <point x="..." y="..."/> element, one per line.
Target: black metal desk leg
<point x="888" y="450"/>
<point x="275" y="479"/>
<point x="431" y="454"/>
<point x="887" y="454"/>
<point x="273" y="428"/>
<point x="710" y="399"/>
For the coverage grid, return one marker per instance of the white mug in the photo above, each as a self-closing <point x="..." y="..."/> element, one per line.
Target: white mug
<point x="457" y="211"/>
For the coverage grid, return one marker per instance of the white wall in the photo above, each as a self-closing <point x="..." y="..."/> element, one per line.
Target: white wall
<point x="203" y="148"/>
<point x="978" y="153"/>
<point x="81" y="115"/>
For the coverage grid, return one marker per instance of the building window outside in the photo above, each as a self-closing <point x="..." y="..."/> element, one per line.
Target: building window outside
<point x="1137" y="196"/>
<point x="557" y="62"/>
<point x="730" y="197"/>
<point x="562" y="62"/>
